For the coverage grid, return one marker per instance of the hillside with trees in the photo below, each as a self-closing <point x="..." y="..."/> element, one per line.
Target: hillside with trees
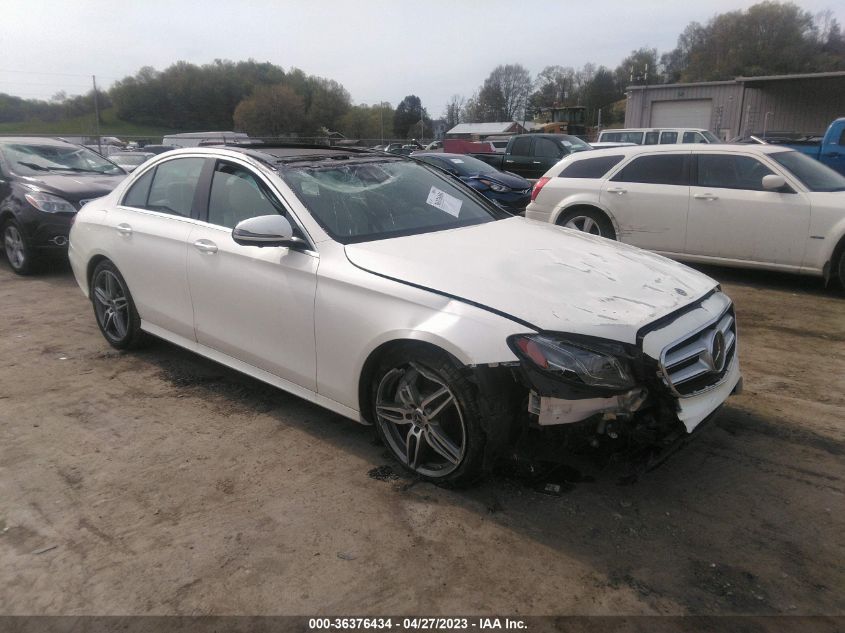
<point x="264" y="99"/>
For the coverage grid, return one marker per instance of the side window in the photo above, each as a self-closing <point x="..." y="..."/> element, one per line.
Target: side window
<point x="521" y="146"/>
<point x="138" y="193"/>
<point x="842" y="138"/>
<point x="174" y="186"/>
<point x="590" y="167"/>
<point x="650" y="138"/>
<point x="237" y="195"/>
<point x="693" y="137"/>
<point x="631" y="137"/>
<point x="668" y="138"/>
<point x="610" y="137"/>
<point x="546" y="148"/>
<point x="658" y="169"/>
<point x="727" y="171"/>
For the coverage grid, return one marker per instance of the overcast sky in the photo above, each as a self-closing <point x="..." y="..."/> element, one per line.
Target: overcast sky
<point x="379" y="50"/>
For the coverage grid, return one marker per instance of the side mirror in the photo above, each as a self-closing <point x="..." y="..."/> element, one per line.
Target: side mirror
<point x="266" y="230"/>
<point x="773" y="182"/>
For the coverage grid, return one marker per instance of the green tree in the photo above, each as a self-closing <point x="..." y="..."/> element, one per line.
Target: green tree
<point x="270" y="111"/>
<point x="769" y="38"/>
<point x="406" y="119"/>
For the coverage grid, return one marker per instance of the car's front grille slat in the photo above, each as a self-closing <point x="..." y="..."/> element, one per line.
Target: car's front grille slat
<point x="700" y="361"/>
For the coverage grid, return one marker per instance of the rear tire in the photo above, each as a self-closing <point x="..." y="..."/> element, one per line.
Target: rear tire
<point x="18" y="252"/>
<point x="114" y="308"/>
<point x="430" y="416"/>
<point x="590" y="221"/>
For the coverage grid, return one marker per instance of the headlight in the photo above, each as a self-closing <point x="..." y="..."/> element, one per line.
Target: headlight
<point x="49" y="204"/>
<point x="573" y="361"/>
<point x="495" y="186"/>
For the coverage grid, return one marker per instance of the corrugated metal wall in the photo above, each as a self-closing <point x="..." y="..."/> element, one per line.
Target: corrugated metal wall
<point x="806" y="106"/>
<point x="724" y="95"/>
<point x="799" y="105"/>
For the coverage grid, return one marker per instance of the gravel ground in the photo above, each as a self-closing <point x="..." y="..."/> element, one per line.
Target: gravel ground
<point x="156" y="482"/>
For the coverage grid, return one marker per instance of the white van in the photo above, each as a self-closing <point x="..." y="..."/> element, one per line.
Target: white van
<point x="658" y="136"/>
<point x="194" y="139"/>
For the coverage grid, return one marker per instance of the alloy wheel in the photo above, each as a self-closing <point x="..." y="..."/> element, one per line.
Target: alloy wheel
<point x="15" y="249"/>
<point x="585" y="224"/>
<point x="421" y="420"/>
<point x="111" y="305"/>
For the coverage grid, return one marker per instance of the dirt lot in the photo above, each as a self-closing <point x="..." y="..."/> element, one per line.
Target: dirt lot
<point x="157" y="482"/>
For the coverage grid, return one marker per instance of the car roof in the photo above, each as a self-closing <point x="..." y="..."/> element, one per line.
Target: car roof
<point x="276" y="156"/>
<point x="654" y="129"/>
<point x="630" y="150"/>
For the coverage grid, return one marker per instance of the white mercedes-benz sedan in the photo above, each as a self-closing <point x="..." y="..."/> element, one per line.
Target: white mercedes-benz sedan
<point x="382" y="289"/>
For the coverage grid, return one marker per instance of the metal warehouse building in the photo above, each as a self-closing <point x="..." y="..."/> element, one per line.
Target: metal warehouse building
<point x="804" y="103"/>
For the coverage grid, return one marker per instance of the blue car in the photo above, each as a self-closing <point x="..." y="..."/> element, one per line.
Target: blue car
<point x="509" y="191"/>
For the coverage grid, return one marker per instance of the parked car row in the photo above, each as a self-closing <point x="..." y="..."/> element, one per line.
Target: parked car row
<point x="390" y="292"/>
<point x="400" y="297"/>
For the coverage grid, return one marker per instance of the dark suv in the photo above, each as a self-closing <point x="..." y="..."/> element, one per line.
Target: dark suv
<point x="43" y="183"/>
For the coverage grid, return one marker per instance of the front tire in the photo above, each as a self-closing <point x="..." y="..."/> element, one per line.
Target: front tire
<point x="840" y="271"/>
<point x="427" y="413"/>
<point x="589" y="221"/>
<point x="18" y="252"/>
<point x="114" y="309"/>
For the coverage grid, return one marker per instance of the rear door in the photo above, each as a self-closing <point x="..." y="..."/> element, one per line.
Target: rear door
<point x="547" y="153"/>
<point x="520" y="160"/>
<point x="649" y="197"/>
<point x="146" y="237"/>
<point x="731" y="216"/>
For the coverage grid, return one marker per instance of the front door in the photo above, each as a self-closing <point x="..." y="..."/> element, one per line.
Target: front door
<point x="519" y="159"/>
<point x="253" y="304"/>
<point x="731" y="216"/>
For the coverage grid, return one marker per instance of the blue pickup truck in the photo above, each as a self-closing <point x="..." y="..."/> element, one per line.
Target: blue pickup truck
<point x="829" y="151"/>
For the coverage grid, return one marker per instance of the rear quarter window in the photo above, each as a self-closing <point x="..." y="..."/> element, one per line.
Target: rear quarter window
<point x="590" y="167"/>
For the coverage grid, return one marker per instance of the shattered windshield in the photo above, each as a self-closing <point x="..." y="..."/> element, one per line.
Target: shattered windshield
<point x="369" y="200"/>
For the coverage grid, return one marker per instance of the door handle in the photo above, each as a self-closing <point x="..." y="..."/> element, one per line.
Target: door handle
<point x="617" y="190"/>
<point x="508" y="161"/>
<point x="538" y="162"/>
<point x="706" y="196"/>
<point x="206" y="246"/>
<point x="124" y="229"/>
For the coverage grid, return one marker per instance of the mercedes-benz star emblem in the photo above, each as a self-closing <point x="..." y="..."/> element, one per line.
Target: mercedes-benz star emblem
<point x="717" y="351"/>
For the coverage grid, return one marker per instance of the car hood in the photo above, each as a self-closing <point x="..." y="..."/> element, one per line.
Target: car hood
<point x="75" y="187"/>
<point x="543" y="275"/>
<point x="508" y="180"/>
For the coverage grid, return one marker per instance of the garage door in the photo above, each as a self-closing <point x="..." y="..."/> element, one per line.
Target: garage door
<point x="687" y="113"/>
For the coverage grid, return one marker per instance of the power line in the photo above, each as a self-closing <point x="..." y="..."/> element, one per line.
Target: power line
<point x="36" y="83"/>
<point x="32" y="72"/>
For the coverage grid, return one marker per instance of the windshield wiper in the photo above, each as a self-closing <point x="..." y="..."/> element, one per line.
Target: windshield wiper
<point x="34" y="166"/>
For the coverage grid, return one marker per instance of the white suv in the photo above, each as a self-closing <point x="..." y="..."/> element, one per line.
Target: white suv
<point x="758" y="206"/>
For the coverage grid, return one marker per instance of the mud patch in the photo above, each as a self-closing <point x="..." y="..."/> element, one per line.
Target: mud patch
<point x="383" y="473"/>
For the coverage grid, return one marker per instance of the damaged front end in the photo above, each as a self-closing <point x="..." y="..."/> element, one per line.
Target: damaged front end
<point x="595" y="391"/>
<point x="598" y="391"/>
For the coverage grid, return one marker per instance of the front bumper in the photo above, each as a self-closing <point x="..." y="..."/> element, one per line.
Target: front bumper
<point x="655" y="400"/>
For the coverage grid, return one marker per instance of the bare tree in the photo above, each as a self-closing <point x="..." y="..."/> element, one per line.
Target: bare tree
<point x="504" y="94"/>
<point x="454" y="110"/>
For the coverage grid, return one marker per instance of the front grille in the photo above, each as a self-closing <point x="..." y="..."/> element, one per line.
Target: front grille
<point x="701" y="360"/>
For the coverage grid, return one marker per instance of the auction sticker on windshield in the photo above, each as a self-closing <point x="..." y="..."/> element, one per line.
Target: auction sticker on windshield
<point x="444" y="202"/>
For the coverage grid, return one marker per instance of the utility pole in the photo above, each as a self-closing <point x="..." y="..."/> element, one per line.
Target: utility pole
<point x="97" y="116"/>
